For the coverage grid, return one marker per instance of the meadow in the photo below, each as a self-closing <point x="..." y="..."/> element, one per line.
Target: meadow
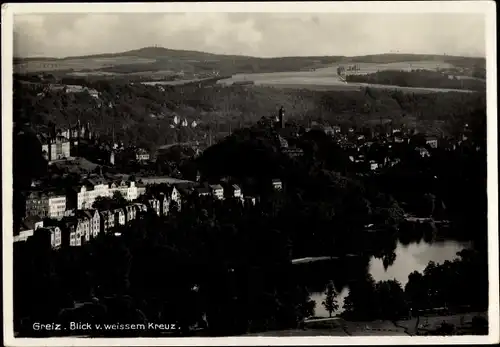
<point x="328" y="79"/>
<point x="78" y="64"/>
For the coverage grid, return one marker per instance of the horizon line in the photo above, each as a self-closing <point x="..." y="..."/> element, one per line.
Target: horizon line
<point x="249" y="56"/>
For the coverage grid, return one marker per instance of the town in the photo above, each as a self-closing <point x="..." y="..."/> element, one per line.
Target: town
<point x="284" y="186"/>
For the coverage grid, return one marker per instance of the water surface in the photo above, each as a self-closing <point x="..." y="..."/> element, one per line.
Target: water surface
<point x="412" y="257"/>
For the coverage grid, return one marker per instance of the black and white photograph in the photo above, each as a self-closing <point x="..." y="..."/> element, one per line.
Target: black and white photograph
<point x="233" y="173"/>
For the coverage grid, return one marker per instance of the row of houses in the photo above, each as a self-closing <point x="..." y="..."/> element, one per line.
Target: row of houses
<point x="74" y="230"/>
<point x="55" y="204"/>
<point x="75" y="227"/>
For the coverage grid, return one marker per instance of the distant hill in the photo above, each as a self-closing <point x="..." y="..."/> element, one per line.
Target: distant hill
<point x="149" y="59"/>
<point x="145" y="52"/>
<point x="161" y="52"/>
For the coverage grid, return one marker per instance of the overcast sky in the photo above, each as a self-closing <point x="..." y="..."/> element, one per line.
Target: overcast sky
<point x="254" y="34"/>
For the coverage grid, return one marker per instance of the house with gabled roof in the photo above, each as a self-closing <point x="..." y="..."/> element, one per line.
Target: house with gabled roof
<point x="164" y="204"/>
<point x="52" y="234"/>
<point x="83" y="224"/>
<point x="107" y="219"/>
<point x="70" y="236"/>
<point x="95" y="222"/>
<point x="130" y="213"/>
<point x="233" y="191"/>
<point x="119" y="216"/>
<point x="217" y="191"/>
<point x="154" y="204"/>
<point x="174" y="195"/>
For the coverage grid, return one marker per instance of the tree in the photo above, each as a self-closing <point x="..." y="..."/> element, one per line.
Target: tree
<point x="330" y="303"/>
<point x="107" y="203"/>
<point x="392" y="302"/>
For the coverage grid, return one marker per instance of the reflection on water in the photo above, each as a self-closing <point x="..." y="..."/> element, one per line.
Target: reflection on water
<point x="410" y="257"/>
<point x="414" y="257"/>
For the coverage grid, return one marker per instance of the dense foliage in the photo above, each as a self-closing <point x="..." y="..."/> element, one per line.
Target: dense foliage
<point x="435" y="288"/>
<point x="142" y="115"/>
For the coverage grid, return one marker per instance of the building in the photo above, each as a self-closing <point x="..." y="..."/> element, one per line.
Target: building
<point x="69" y="233"/>
<point x="112" y="157"/>
<point x="45" y="204"/>
<point x="56" y="206"/>
<point x="36" y="204"/>
<point x="92" y="92"/>
<point x="83" y="223"/>
<point x="119" y="216"/>
<point x="23" y="234"/>
<point x="130" y="213"/>
<point x="52" y="235"/>
<point x="140" y="207"/>
<point x="293" y="152"/>
<point x="373" y="165"/>
<point x="331" y="130"/>
<point x="94" y="222"/>
<point x="155" y="205"/>
<point x="27" y="228"/>
<point x="55" y="147"/>
<point x="141" y="189"/>
<point x="423" y="152"/>
<point x="107" y="220"/>
<point x="217" y="191"/>
<point x="83" y="196"/>
<point x="127" y="189"/>
<point x="236" y="191"/>
<point x="281" y="118"/>
<point x="431" y="141"/>
<point x="277" y="184"/>
<point x="141" y="155"/>
<point x="283" y="143"/>
<point x="99" y="187"/>
<point x="249" y="200"/>
<point x="164" y="204"/>
<point x="174" y="195"/>
<point x="202" y="191"/>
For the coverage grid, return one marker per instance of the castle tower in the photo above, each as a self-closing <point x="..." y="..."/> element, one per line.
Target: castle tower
<point x="281" y="118"/>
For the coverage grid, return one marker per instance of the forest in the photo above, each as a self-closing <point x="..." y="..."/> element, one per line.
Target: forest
<point x="142" y="115"/>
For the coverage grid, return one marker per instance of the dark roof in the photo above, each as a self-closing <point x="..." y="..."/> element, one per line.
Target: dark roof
<point x="203" y="190"/>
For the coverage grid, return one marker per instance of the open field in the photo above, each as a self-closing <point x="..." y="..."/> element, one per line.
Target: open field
<point x="325" y="79"/>
<point x="367" y="68"/>
<point x="174" y="83"/>
<point x="78" y="64"/>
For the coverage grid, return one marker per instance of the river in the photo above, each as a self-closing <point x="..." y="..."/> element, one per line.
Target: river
<point x="411" y="257"/>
